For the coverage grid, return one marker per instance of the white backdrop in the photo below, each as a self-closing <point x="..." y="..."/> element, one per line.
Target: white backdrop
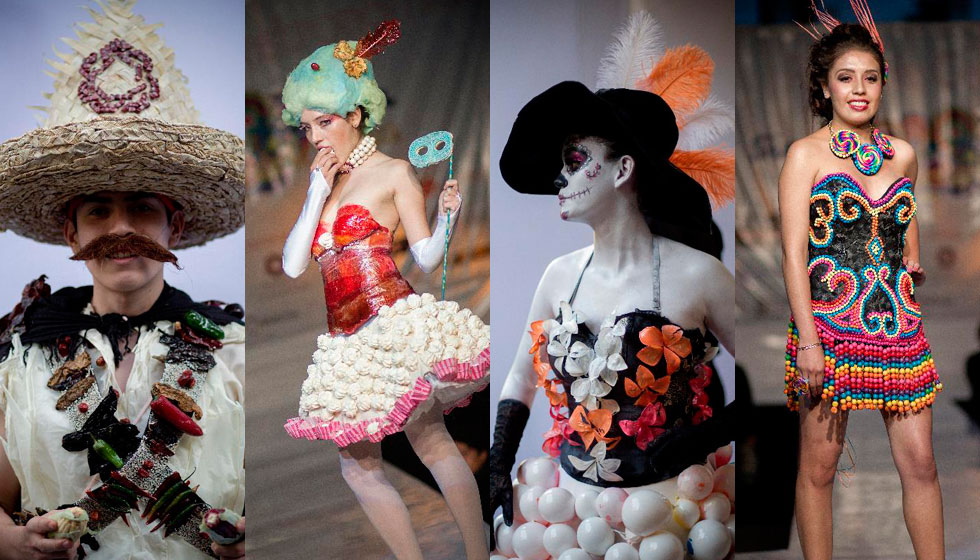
<point x="208" y="40"/>
<point x="535" y="45"/>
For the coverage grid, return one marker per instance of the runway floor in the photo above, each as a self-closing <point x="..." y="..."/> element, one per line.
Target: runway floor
<point x="868" y="522"/>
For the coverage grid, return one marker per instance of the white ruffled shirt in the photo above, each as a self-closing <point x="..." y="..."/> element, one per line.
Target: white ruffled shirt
<point x="50" y="476"/>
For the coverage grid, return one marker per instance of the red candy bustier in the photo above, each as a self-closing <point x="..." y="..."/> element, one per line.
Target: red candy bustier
<point x="359" y="275"/>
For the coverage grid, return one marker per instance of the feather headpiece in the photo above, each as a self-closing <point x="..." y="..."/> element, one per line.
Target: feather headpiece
<point x="829" y="22"/>
<point x="637" y="58"/>
<point x="375" y="42"/>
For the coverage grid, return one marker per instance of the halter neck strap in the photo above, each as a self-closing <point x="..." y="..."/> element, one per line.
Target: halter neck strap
<point x="656" y="276"/>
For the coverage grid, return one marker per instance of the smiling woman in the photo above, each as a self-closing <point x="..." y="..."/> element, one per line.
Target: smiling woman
<point x="850" y="265"/>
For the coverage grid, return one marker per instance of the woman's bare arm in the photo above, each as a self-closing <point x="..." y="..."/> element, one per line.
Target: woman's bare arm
<point x="521" y="382"/>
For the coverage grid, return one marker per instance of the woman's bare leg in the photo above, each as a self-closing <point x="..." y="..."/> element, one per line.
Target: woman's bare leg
<point x="910" y="437"/>
<point x="361" y="466"/>
<point x="821" y="442"/>
<point x="437" y="450"/>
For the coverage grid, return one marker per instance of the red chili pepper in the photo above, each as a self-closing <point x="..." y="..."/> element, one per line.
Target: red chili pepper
<point x="167" y="410"/>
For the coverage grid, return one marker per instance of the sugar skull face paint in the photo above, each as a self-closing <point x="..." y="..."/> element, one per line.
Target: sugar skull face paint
<point x="581" y="179"/>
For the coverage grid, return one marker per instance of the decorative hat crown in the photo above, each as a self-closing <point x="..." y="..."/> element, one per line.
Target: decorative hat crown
<point x="117" y="64"/>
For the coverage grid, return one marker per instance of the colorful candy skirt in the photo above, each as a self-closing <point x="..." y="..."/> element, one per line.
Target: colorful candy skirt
<point x="415" y="354"/>
<point x="898" y="374"/>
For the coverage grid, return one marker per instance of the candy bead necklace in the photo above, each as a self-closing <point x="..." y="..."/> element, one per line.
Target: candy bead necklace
<point x="867" y="158"/>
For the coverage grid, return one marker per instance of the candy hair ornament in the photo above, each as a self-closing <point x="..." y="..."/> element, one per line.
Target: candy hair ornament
<point x="339" y="77"/>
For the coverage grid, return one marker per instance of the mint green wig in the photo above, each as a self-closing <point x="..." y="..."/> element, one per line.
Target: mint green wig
<point x="328" y="89"/>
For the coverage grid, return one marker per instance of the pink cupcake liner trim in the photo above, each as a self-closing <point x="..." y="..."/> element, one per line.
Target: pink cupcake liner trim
<point x="343" y="434"/>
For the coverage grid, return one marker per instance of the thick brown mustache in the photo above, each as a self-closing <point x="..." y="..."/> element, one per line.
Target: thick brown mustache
<point x="124" y="244"/>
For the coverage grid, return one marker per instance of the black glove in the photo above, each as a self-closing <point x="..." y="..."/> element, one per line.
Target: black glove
<point x="512" y="417"/>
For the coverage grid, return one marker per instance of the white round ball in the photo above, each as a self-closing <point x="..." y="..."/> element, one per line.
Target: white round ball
<point x="519" y="490"/>
<point x="686" y="513"/>
<point x="622" y="551"/>
<point x="559" y="538"/>
<point x="724" y="481"/>
<point x="716" y="506"/>
<point x="595" y="536"/>
<point x="541" y="471"/>
<point x="585" y="504"/>
<point x="609" y="505"/>
<point x="708" y="540"/>
<point x="504" y="536"/>
<point x="645" y="511"/>
<point x="695" y="482"/>
<point x="662" y="546"/>
<point x="528" y="542"/>
<point x="557" y="505"/>
<point x="498" y="557"/>
<point x="529" y="503"/>
<point x="575" y="554"/>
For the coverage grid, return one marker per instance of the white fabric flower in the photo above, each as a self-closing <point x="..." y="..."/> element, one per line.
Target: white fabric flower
<point x="413" y="301"/>
<point x="383" y="312"/>
<point x="579" y="358"/>
<point x="428" y="299"/>
<point x="599" y="466"/>
<point x="401" y="306"/>
<point x="604" y="366"/>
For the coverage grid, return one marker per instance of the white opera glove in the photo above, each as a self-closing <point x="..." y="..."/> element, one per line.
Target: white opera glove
<point x="428" y="252"/>
<point x="296" y="251"/>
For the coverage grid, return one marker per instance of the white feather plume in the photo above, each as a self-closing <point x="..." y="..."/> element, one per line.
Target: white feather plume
<point x="706" y="124"/>
<point x="635" y="48"/>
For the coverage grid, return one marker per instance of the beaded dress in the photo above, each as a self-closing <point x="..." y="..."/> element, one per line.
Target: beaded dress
<point x="389" y="354"/>
<point x="870" y="326"/>
<point x="624" y="388"/>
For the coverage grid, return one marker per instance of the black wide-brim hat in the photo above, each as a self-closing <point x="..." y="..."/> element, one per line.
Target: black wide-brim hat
<point x="676" y="206"/>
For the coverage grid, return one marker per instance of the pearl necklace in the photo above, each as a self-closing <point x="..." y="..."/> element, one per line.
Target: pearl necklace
<point x="364" y="149"/>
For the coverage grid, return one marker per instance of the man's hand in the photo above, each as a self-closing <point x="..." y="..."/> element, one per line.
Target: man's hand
<point x="31" y="543"/>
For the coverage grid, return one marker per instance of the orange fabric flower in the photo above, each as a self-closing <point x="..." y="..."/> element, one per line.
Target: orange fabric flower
<point x="556" y="399"/>
<point x="538" y="336"/>
<point x="647" y="388"/>
<point x="668" y="343"/>
<point x="592" y="425"/>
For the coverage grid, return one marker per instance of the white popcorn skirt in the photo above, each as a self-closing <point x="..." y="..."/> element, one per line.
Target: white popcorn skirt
<point x="415" y="354"/>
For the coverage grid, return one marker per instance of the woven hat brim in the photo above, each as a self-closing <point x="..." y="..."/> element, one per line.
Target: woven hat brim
<point x="201" y="168"/>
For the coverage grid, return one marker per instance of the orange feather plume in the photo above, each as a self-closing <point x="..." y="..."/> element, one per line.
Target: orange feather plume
<point x="713" y="168"/>
<point x="682" y="77"/>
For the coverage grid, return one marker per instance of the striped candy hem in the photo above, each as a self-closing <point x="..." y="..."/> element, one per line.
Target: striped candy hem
<point x="864" y="373"/>
<point x="449" y="378"/>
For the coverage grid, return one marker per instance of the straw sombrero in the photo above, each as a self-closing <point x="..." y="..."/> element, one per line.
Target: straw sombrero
<point x="121" y="119"/>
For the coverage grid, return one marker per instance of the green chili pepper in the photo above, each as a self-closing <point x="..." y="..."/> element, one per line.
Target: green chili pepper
<point x="166" y="498"/>
<point x="107" y="452"/>
<point x="123" y="492"/>
<point x="180" y="518"/>
<point x="203" y="326"/>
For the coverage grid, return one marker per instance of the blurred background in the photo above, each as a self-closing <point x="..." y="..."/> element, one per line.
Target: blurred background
<point x="207" y="42"/>
<point x="932" y="99"/>
<point x="436" y="77"/>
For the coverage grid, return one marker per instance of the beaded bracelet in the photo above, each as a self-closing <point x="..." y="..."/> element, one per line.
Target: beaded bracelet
<point x="807" y="347"/>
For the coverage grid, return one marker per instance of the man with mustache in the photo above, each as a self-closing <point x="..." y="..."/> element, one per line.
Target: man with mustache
<point x="121" y="400"/>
